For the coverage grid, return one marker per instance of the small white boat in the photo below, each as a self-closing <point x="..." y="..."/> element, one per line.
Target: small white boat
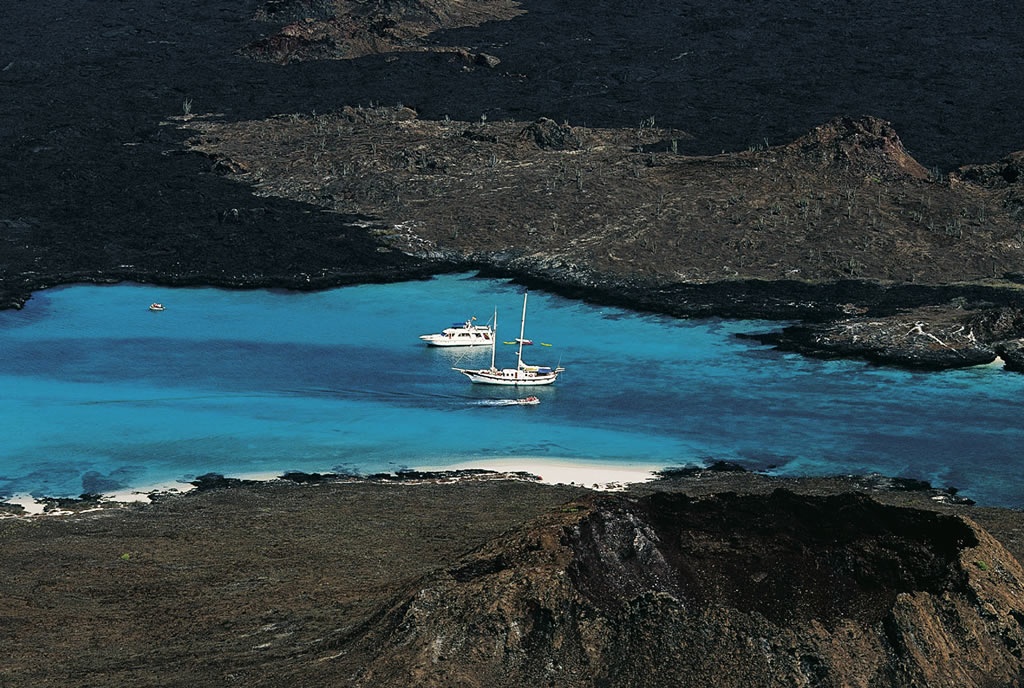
<point x="522" y="375"/>
<point x="462" y="334"/>
<point x="525" y="401"/>
<point x="156" y="307"/>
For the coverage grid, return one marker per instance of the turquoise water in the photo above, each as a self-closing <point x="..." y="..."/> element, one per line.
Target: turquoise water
<point x="97" y="393"/>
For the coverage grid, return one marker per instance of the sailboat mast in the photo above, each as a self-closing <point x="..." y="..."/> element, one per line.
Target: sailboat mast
<point x="494" y="337"/>
<point x="522" y="333"/>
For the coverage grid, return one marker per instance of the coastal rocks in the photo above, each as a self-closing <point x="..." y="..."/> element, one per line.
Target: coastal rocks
<point x="217" y="481"/>
<point x="13" y="298"/>
<point x="1012" y="353"/>
<point x="912" y="346"/>
<point x="725" y="590"/>
<point x="930" y="338"/>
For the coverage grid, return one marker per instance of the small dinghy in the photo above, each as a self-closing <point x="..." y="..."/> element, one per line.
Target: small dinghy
<point x="525" y="401"/>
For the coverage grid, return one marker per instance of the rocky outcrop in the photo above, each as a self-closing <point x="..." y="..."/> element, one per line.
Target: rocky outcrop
<point x="866" y="142"/>
<point x="930" y="338"/>
<point x="1012" y="353"/>
<point x="1002" y="174"/>
<point x="1004" y="178"/>
<point x="547" y="134"/>
<point x="724" y="590"/>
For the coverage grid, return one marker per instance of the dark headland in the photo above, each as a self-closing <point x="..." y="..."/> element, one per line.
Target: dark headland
<point x="854" y="170"/>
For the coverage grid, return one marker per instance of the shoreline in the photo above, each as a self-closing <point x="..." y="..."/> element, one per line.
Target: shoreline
<point x="556" y="475"/>
<point x="595" y="475"/>
<point x="591" y="475"/>
<point x="52" y="506"/>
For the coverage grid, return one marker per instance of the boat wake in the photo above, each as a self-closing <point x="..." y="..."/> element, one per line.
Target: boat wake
<point x="528" y="401"/>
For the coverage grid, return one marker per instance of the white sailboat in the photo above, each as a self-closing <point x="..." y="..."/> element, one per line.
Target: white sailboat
<point x="522" y="374"/>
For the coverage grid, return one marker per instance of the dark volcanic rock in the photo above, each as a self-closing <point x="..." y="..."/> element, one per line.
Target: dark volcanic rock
<point x="217" y="481"/>
<point x="548" y="134"/>
<point x="669" y="590"/>
<point x="1012" y="353"/>
<point x="930" y="338"/>
<point x="867" y="142"/>
<point x="1008" y="172"/>
<point x="348" y="29"/>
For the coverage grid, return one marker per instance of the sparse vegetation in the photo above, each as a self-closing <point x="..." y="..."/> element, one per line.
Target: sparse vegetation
<point x="830" y="206"/>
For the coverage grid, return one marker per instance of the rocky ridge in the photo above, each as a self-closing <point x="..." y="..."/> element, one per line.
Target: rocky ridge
<point x="725" y="590"/>
<point x="705" y="577"/>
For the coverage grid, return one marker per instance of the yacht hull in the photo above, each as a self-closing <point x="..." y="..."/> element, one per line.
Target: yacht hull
<point x="510" y="377"/>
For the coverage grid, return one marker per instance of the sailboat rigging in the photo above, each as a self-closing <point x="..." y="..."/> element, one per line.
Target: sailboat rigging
<point x="522" y="374"/>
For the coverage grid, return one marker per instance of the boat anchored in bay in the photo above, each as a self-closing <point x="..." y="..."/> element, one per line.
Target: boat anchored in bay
<point x="461" y="334"/>
<point x="522" y="375"/>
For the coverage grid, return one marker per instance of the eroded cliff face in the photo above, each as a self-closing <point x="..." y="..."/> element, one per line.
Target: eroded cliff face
<point x="726" y="590"/>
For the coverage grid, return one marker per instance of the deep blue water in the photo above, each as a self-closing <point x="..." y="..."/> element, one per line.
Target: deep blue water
<point x="97" y="392"/>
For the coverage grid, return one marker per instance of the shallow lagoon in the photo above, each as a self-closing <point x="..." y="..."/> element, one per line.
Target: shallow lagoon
<point x="97" y="393"/>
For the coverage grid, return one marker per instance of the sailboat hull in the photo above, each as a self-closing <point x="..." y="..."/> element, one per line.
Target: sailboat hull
<point x="510" y="377"/>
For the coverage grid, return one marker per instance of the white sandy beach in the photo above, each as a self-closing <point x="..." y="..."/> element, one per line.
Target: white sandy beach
<point x="26" y="502"/>
<point x="593" y="474"/>
<point x="141" y="494"/>
<point x="35" y="507"/>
